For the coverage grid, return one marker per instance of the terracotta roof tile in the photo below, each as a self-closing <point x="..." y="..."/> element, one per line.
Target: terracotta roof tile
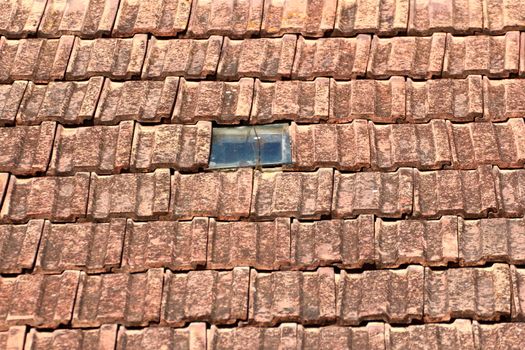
<point x="285" y="336"/>
<point x="4" y="180"/>
<point x="218" y="101"/>
<point x="517" y="276"/>
<point x="177" y="245"/>
<point x="345" y="243"/>
<point x="184" y="147"/>
<point x="87" y="19"/>
<point x="127" y="299"/>
<point x="476" y="293"/>
<point x="384" y="17"/>
<point x="522" y="56"/>
<point x="10" y="99"/>
<point x="300" y="101"/>
<point x="159" y="17"/>
<point x="262" y="245"/>
<point x="19" y="244"/>
<point x="224" y="195"/>
<point x="414" y="57"/>
<point x="20" y="18"/>
<point x="235" y="19"/>
<point x="187" y="58"/>
<point x="218" y="297"/>
<point x="501" y="335"/>
<point x="389" y="295"/>
<point x="143" y="101"/>
<point x="88" y="246"/>
<point x="298" y="195"/>
<point x="266" y="59"/>
<point x="14" y="338"/>
<point x="140" y="196"/>
<point x="503" y="99"/>
<point x="38" y="60"/>
<point x="370" y="336"/>
<point x="386" y="194"/>
<point x="502" y="16"/>
<point x="192" y="337"/>
<point x="54" y="198"/>
<point x="493" y="56"/>
<point x="510" y="189"/>
<point x="97" y="338"/>
<point x="26" y="149"/>
<point x="307" y="17"/>
<point x="43" y="301"/>
<point x="292" y="296"/>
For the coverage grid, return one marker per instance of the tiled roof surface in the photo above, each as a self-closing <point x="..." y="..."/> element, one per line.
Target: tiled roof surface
<point x="398" y="224"/>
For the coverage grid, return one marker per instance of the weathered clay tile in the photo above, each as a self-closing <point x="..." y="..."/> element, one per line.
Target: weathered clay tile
<point x="51" y="197"/>
<point x="285" y="336"/>
<point x="371" y="336"/>
<point x="493" y="56"/>
<point x="157" y="17"/>
<point x="138" y="196"/>
<point x="262" y="245"/>
<point x="264" y="58"/>
<point x="101" y="149"/>
<point x="69" y="103"/>
<point x="38" y="60"/>
<point x="73" y="339"/>
<point x="499" y="336"/>
<point x="510" y="189"/>
<point x="217" y="297"/>
<point x="300" y="101"/>
<point x="187" y="58"/>
<point x="517" y="276"/>
<point x="382" y="17"/>
<point x="42" y="301"/>
<point x="292" y="296"/>
<point x="88" y="246"/>
<point x="19" y="245"/>
<point x="422" y="146"/>
<point x="468" y="193"/>
<point x="126" y="299"/>
<point x="4" y="180"/>
<point x="468" y="292"/>
<point x="143" y="101"/>
<point x="177" y="245"/>
<point x="522" y="56"/>
<point x="231" y="18"/>
<point x="87" y="19"/>
<point x="345" y="243"/>
<point x="217" y="101"/>
<point x="376" y="100"/>
<point x="386" y="194"/>
<point x="26" y="149"/>
<point x="192" y="337"/>
<point x="424" y="242"/>
<point x="20" y="18"/>
<point x="394" y="296"/>
<point x="10" y="99"/>
<point x="414" y="57"/>
<point x="310" y="18"/>
<point x="342" y="146"/>
<point x="455" y="16"/>
<point x="502" y="16"/>
<point x="338" y="58"/>
<point x="293" y="194"/>
<point x="13" y="338"/>
<point x="108" y="57"/>
<point x="224" y="195"/>
<point x="458" y="100"/>
<point x="503" y="99"/>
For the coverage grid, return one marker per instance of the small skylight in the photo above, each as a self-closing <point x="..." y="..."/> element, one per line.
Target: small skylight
<point x="250" y="146"/>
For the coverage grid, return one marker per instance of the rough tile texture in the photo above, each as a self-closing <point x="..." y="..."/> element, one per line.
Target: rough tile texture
<point x="19" y="246"/>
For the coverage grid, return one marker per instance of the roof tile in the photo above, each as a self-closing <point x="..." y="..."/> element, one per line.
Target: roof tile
<point x="370" y="336"/>
<point x="26" y="149"/>
<point x="387" y="194"/>
<point x="42" y="301"/>
<point x="390" y="295"/>
<point x="517" y="276"/>
<point x="54" y="198"/>
<point x="10" y="99"/>
<point x="217" y="297"/>
<point x="503" y="99"/>
<point x="108" y="57"/>
<point x="510" y="189"/>
<point x="294" y="194"/>
<point x="14" y="338"/>
<point x="38" y="60"/>
<point x="139" y="196"/>
<point x="88" y="246"/>
<point x="97" y="338"/>
<point x="192" y="337"/>
<point x="414" y="57"/>
<point x="127" y="299"/>
<point x="177" y="245"/>
<point x="493" y="56"/>
<point x="292" y="296"/>
<point x="218" y="101"/>
<point x="476" y="293"/>
<point x="285" y="336"/>
<point x="20" y="18"/>
<point x="187" y="58"/>
<point x="501" y="335"/>
<point x="266" y="59"/>
<point x="19" y="246"/>
<point x="4" y="180"/>
<point x="502" y="16"/>
<point x="158" y="17"/>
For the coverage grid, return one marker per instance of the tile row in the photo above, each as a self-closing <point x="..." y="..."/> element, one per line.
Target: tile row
<point x="269" y="59"/>
<point x="122" y="245"/>
<point x="200" y="18"/>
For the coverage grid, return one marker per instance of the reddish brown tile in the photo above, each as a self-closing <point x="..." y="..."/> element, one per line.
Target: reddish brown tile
<point x="499" y="336"/>
<point x="285" y="336"/>
<point x="510" y="189"/>
<point x="20" y="18"/>
<point x="4" y="180"/>
<point x="503" y="99"/>
<point x="192" y="337"/>
<point x="73" y="339"/>
<point x="14" y="338"/>
<point x="502" y="16"/>
<point x="10" y="99"/>
<point x="371" y="336"/>
<point x="19" y="246"/>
